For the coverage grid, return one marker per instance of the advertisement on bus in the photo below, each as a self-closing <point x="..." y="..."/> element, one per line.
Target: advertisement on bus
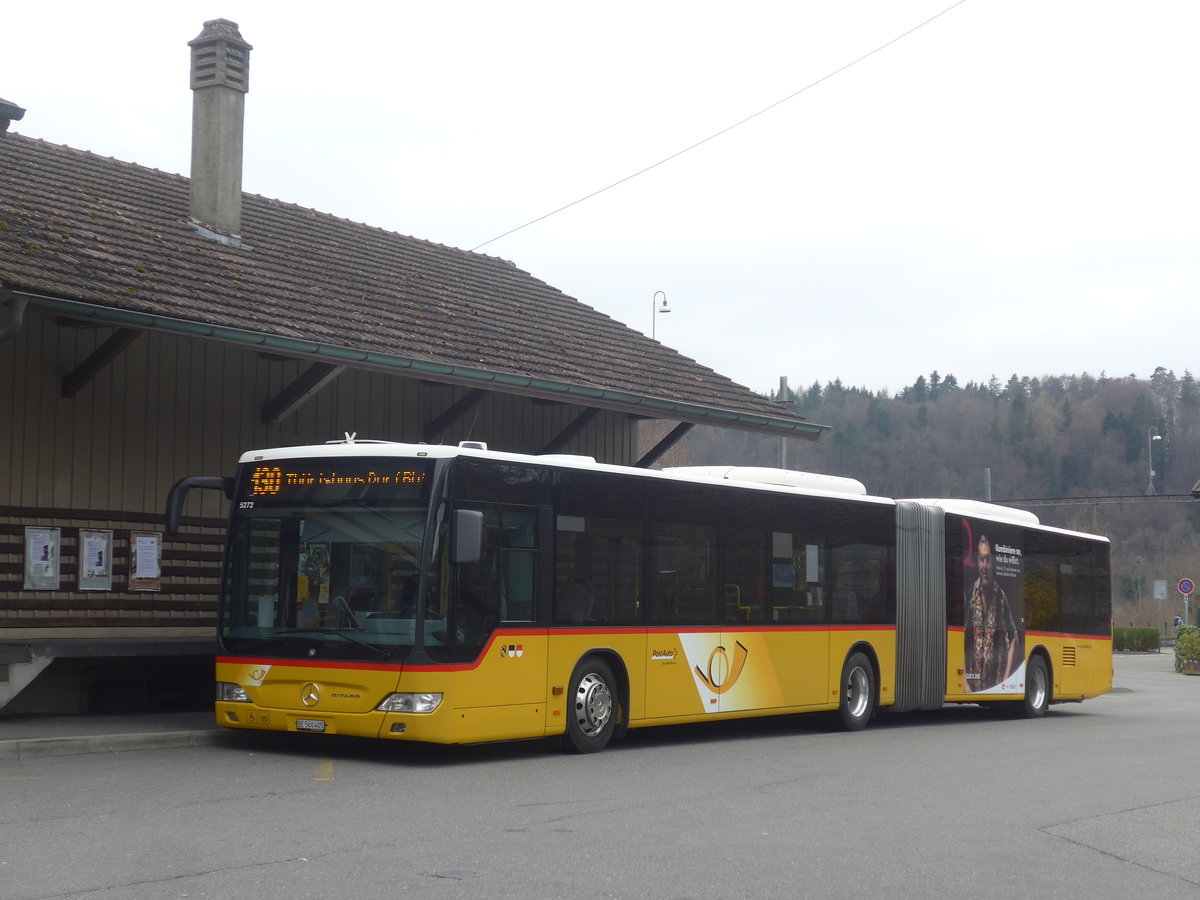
<point x="993" y="608"/>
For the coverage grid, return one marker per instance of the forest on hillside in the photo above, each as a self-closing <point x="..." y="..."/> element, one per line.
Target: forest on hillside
<point x="1114" y="456"/>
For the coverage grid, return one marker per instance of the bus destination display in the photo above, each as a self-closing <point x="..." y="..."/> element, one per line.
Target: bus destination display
<point x="317" y="479"/>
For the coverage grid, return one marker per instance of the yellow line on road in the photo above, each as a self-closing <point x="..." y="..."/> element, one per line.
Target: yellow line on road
<point x="324" y="769"/>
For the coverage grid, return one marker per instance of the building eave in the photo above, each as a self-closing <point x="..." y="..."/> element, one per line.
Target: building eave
<point x="449" y="373"/>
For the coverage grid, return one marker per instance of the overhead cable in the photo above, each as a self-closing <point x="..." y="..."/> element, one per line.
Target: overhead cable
<point x="724" y="130"/>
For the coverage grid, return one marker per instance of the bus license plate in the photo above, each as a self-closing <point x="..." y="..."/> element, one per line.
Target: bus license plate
<point x="310" y="725"/>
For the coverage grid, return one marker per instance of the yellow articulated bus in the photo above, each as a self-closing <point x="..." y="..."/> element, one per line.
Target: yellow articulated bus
<point x="454" y="595"/>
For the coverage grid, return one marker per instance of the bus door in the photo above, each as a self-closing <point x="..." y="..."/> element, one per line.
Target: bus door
<point x="493" y="623"/>
<point x="800" y="601"/>
<point x="684" y="628"/>
<point x="775" y="637"/>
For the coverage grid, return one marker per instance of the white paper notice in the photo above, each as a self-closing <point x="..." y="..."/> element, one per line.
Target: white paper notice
<point x="146" y="553"/>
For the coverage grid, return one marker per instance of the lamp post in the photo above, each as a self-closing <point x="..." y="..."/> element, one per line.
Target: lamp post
<point x="1152" y="435"/>
<point x="655" y="309"/>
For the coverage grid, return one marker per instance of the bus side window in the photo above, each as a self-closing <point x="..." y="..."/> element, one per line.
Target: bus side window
<point x="797" y="578"/>
<point x="743" y="570"/>
<point x="861" y="563"/>
<point x="684" y="589"/>
<point x="597" y="570"/>
<point x="518" y="547"/>
<point x="858" y="575"/>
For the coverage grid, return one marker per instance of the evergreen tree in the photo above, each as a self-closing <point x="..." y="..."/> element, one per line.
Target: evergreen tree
<point x="879" y="418"/>
<point x="917" y="392"/>
<point x="1188" y="393"/>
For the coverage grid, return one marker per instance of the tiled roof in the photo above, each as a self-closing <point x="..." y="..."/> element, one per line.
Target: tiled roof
<point x="115" y="238"/>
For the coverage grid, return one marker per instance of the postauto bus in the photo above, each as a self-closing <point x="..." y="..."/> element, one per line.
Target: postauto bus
<point x="413" y="592"/>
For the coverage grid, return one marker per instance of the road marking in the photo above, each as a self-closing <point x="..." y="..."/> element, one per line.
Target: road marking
<point x="325" y="769"/>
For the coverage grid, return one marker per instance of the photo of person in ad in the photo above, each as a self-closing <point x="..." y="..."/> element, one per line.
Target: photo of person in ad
<point x="993" y="634"/>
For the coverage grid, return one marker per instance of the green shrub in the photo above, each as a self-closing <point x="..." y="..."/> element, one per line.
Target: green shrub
<point x="1135" y="639"/>
<point x="1187" y="645"/>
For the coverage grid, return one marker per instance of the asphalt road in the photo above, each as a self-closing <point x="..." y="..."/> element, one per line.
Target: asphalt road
<point x="1096" y="800"/>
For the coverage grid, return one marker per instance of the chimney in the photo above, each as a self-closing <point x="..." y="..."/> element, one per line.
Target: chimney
<point x="220" y="79"/>
<point x="9" y="112"/>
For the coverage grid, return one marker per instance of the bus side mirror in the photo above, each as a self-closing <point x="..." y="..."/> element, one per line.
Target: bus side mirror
<point x="179" y="491"/>
<point x="467" y="545"/>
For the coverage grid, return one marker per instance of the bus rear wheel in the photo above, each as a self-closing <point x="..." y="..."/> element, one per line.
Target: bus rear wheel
<point x="1037" y="689"/>
<point x="591" y="707"/>
<point x="857" y="701"/>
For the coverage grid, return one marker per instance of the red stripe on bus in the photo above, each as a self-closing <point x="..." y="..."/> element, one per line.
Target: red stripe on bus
<point x="1069" y="635"/>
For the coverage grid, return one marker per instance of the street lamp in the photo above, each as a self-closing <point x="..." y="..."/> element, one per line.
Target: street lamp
<point x="1152" y="435"/>
<point x="655" y="309"/>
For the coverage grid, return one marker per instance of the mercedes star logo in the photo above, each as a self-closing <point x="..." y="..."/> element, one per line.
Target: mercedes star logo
<point x="310" y="694"/>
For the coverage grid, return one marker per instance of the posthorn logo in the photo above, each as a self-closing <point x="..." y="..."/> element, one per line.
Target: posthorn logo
<point x="721" y="674"/>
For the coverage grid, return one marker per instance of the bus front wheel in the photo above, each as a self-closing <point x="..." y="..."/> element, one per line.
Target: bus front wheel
<point x="591" y="707"/>
<point x="857" y="692"/>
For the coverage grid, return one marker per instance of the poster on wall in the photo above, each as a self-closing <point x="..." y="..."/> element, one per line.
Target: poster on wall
<point x="95" y="560"/>
<point x="145" y="557"/>
<point x="42" y="547"/>
<point x="993" y="608"/>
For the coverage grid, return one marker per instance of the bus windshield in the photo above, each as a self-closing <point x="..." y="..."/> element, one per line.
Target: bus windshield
<point x="342" y="580"/>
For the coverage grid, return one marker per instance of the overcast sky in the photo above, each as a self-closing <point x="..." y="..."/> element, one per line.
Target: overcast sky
<point x="1011" y="188"/>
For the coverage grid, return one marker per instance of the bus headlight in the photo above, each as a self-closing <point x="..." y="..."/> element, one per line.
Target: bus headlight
<point x="410" y="703"/>
<point x="232" y="693"/>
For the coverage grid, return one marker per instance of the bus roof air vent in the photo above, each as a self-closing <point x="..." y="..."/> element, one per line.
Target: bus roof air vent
<point x="472" y="445"/>
<point x="784" y="477"/>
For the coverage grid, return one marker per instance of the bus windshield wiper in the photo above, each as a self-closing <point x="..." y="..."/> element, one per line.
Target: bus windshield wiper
<point x="379" y="651"/>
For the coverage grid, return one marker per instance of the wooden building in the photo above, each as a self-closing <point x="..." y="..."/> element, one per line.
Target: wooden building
<point x="154" y="326"/>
